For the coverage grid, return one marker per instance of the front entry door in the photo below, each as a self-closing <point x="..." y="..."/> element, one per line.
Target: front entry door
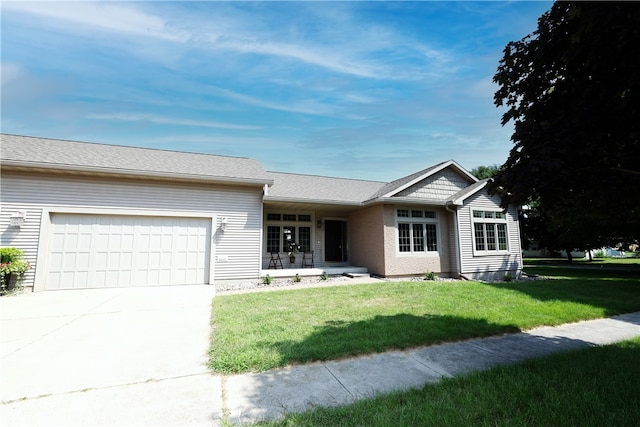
<point x="335" y="241"/>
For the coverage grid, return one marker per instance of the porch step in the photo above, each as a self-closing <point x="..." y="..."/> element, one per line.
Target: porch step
<point x="356" y="275"/>
<point x="349" y="271"/>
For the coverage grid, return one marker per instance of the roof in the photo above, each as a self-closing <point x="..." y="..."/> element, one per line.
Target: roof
<point x="322" y="189"/>
<point x="459" y="197"/>
<point x="84" y="157"/>
<point x="398" y="185"/>
<point x="34" y="152"/>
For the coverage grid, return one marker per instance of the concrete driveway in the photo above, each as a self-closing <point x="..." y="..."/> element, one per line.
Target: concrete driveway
<point x="134" y="356"/>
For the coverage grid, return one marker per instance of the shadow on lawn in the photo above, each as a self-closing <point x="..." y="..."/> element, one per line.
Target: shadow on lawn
<point x="338" y="339"/>
<point x="615" y="291"/>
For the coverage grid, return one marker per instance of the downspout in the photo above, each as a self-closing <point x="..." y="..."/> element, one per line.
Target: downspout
<point x="454" y="211"/>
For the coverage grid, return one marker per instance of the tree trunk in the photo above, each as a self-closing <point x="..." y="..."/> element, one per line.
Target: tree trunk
<point x="569" y="256"/>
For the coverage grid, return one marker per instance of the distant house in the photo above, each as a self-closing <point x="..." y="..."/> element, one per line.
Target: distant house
<point x="94" y="215"/>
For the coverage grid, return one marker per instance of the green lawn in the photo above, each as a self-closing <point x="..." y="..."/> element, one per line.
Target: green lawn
<point x="594" y="387"/>
<point x="260" y="331"/>
<point x="632" y="262"/>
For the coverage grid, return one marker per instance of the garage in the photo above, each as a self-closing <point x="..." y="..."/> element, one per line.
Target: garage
<point x="100" y="251"/>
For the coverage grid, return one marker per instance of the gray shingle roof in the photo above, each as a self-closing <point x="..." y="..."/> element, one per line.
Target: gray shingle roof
<point x="82" y="156"/>
<point x="459" y="197"/>
<point x="398" y="183"/>
<point x="321" y="188"/>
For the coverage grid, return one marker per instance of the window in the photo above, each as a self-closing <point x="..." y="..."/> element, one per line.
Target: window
<point x="490" y="231"/>
<point x="304" y="238"/>
<point x="273" y="238"/>
<point x="417" y="231"/>
<point x="290" y="228"/>
<point x="288" y="237"/>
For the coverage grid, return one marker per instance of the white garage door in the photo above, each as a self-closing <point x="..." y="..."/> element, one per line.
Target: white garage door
<point x="100" y="251"/>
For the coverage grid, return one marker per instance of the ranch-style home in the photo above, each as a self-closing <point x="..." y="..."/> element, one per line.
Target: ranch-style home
<point x="93" y="215"/>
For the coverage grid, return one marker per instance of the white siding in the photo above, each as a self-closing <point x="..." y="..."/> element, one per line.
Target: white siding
<point x="236" y="250"/>
<point x="488" y="266"/>
<point x="437" y="187"/>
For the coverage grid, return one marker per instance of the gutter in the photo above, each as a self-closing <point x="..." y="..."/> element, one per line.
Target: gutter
<point x="454" y="211"/>
<point x="135" y="172"/>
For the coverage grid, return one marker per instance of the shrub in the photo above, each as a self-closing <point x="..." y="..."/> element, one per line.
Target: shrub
<point x="429" y="275"/>
<point x="297" y="278"/>
<point x="599" y="254"/>
<point x="267" y="279"/>
<point x="324" y="276"/>
<point x="11" y="263"/>
<point x="507" y="277"/>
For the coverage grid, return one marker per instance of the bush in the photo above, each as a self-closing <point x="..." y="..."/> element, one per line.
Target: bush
<point x="267" y="279"/>
<point x="297" y="278"/>
<point x="507" y="277"/>
<point x="429" y="275"/>
<point x="11" y="263"/>
<point x="599" y="254"/>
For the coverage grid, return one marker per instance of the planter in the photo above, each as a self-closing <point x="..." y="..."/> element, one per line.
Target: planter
<point x="6" y="281"/>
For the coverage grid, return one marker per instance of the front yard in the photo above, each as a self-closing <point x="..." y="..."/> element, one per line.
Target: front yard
<point x="593" y="387"/>
<point x="261" y="331"/>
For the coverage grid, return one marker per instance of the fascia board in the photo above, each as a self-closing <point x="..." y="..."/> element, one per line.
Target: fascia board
<point x="310" y="201"/>
<point x="459" y="201"/>
<point x="406" y="201"/>
<point x="133" y="172"/>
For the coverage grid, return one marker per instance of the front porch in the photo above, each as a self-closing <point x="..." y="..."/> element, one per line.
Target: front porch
<point x="309" y="272"/>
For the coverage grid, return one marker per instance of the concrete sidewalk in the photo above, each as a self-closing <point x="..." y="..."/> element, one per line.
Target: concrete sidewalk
<point x="137" y="357"/>
<point x="270" y="395"/>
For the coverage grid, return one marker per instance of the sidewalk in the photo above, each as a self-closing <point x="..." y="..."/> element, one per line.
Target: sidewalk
<point x="270" y="395"/>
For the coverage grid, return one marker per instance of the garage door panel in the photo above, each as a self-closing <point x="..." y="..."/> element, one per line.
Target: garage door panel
<point x="89" y="251"/>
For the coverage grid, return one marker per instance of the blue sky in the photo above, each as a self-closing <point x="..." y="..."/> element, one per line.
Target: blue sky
<point x="367" y="90"/>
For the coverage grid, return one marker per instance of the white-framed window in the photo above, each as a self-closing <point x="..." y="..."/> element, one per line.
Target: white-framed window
<point x="417" y="231"/>
<point x="284" y="228"/>
<point x="490" y="234"/>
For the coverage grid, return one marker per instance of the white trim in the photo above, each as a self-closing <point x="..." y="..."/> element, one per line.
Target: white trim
<point x="45" y="233"/>
<point x="504" y="221"/>
<point x="417" y="220"/>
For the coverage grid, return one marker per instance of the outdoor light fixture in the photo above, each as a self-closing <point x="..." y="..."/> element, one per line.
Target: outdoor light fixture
<point x="17" y="219"/>
<point x="223" y="224"/>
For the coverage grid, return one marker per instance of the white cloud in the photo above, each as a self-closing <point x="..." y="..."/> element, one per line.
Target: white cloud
<point x="106" y="16"/>
<point x="133" y="117"/>
<point x="306" y="107"/>
<point x="9" y="72"/>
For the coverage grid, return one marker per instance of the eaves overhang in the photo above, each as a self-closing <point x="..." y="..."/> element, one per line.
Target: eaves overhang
<point x="459" y="198"/>
<point x="405" y="200"/>
<point x="310" y="201"/>
<point x="9" y="165"/>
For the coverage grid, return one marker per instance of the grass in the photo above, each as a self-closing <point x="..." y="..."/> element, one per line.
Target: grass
<point x="632" y="262"/>
<point x="260" y="331"/>
<point x="593" y="387"/>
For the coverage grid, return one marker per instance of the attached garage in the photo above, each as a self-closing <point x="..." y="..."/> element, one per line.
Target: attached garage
<point x="96" y="251"/>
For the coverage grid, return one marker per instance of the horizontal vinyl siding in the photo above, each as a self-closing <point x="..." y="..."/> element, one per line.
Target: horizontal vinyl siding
<point x="239" y="245"/>
<point x="473" y="264"/>
<point x="26" y="237"/>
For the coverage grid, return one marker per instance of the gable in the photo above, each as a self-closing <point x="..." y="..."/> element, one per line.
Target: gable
<point x="439" y="186"/>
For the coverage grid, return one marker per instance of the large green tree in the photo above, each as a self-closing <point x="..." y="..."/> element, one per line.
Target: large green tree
<point x="572" y="92"/>
<point x="482" y="172"/>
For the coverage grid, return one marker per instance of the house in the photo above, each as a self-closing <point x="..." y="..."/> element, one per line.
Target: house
<point x="94" y="215"/>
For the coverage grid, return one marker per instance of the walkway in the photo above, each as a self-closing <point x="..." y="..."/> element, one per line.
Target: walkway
<point x="137" y="357"/>
<point x="250" y="397"/>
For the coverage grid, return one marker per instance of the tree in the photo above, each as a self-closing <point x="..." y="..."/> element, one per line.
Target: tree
<point x="482" y="172"/>
<point x="572" y="91"/>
